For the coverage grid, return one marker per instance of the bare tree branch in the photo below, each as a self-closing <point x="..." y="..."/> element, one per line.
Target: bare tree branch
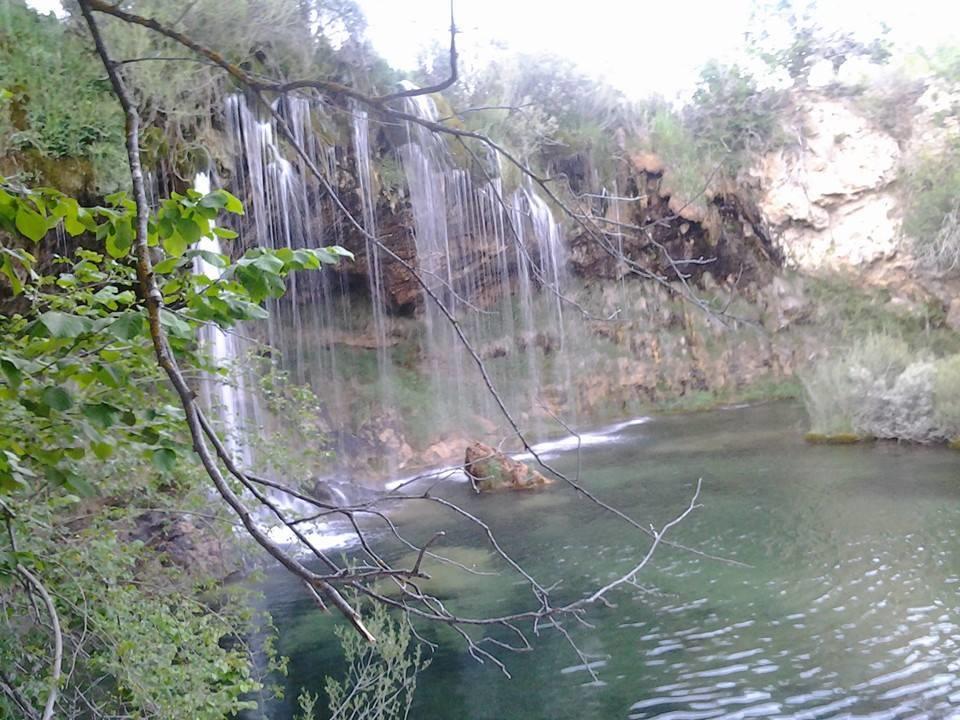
<point x="57" y="661"/>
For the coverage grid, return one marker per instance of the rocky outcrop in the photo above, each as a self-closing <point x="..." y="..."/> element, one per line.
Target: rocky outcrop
<point x="491" y="470"/>
<point x="724" y="236"/>
<point x="184" y="541"/>
<point x="830" y="200"/>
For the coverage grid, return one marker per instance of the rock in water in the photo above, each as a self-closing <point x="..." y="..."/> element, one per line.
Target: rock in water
<point x="491" y="470"/>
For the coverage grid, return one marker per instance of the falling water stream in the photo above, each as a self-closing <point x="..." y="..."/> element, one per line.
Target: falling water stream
<point x="493" y="260"/>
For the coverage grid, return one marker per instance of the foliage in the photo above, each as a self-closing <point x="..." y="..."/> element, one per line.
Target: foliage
<point x="879" y="387"/>
<point x="58" y="106"/>
<point x="149" y="639"/>
<point x="687" y="170"/>
<point x="543" y="109"/>
<point x="946" y="395"/>
<point x="380" y="677"/>
<point x="930" y="188"/>
<point x="731" y="117"/>
<point x="89" y="430"/>
<point x="848" y="313"/>
<point x="945" y="63"/>
<point x="889" y="101"/>
<point x="294" y="443"/>
<point x="275" y="38"/>
<point x="787" y="35"/>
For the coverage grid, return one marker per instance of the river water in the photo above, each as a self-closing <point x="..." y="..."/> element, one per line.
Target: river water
<point x="846" y="604"/>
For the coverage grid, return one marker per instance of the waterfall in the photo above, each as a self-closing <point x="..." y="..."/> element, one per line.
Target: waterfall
<point x="495" y="260"/>
<point x="227" y="395"/>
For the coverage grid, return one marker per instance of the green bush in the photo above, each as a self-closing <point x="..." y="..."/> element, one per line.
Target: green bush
<point x="880" y="387"/>
<point x="732" y="118"/>
<point x="58" y="107"/>
<point x="829" y="397"/>
<point x="380" y="677"/>
<point x="931" y="190"/>
<point x="946" y="395"/>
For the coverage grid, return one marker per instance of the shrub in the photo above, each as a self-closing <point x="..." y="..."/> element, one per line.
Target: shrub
<point x="828" y="395"/>
<point x="931" y="188"/>
<point x="380" y="677"/>
<point x="941" y="253"/>
<point x="890" y="103"/>
<point x="881" y="388"/>
<point x="946" y="396"/>
<point x="732" y="118"/>
<point x="58" y="105"/>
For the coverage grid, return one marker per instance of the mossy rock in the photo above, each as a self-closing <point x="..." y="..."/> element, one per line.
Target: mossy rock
<point x="954" y="444"/>
<point x="491" y="470"/>
<point x="833" y="438"/>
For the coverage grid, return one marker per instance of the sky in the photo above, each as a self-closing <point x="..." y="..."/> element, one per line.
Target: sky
<point x="639" y="46"/>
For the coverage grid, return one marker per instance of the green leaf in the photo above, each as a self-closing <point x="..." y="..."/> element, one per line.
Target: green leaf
<point x="164" y="459"/>
<point x="31" y="223"/>
<point x="7" y="268"/>
<point x="212" y="258"/>
<point x="101" y="414"/>
<point x="216" y="200"/>
<point x="78" y="485"/>
<point x="233" y="204"/>
<point x="56" y="398"/>
<point x="164" y="267"/>
<point x="62" y="325"/>
<point x="11" y="372"/>
<point x="119" y="242"/>
<point x="103" y="450"/>
<point x="175" y="325"/>
<point x="225" y="233"/>
<point x="189" y="229"/>
<point x="127" y="327"/>
<point x="176" y="244"/>
<point x="73" y="226"/>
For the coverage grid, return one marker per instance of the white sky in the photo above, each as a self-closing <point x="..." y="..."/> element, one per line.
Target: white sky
<point x="640" y="46"/>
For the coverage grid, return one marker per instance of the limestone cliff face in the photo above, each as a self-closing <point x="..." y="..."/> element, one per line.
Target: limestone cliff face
<point x="830" y="198"/>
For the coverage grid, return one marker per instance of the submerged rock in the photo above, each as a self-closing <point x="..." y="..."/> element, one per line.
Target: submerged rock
<point x="491" y="470"/>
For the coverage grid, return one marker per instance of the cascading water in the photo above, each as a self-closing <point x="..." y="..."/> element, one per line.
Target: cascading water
<point x="227" y="395"/>
<point x="464" y="232"/>
<point x="495" y="261"/>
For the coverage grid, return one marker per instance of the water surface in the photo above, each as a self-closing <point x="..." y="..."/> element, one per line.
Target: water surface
<point x="847" y="605"/>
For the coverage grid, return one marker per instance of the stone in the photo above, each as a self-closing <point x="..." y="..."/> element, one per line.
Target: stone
<point x="491" y="470"/>
<point x="831" y="201"/>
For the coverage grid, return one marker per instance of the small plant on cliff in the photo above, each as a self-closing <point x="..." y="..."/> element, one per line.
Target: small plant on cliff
<point x="732" y="118"/>
<point x="931" y="189"/>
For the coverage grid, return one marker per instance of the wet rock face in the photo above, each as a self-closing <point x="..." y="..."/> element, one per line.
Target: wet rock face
<point x="491" y="470"/>
<point x="725" y="239"/>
